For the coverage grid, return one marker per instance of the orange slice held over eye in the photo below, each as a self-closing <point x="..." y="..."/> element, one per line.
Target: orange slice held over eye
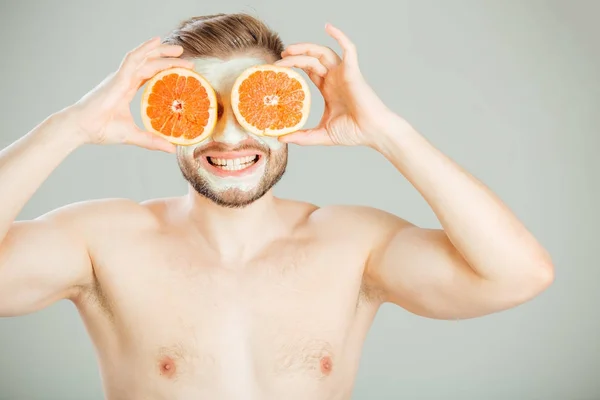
<point x="270" y="100"/>
<point x="179" y="105"/>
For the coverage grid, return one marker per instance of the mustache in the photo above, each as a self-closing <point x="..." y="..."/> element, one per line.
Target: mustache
<point x="223" y="147"/>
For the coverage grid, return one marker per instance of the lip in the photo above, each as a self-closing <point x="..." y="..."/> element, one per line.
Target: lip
<point x="227" y="156"/>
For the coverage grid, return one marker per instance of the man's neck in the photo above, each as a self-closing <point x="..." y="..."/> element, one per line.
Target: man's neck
<point x="235" y="233"/>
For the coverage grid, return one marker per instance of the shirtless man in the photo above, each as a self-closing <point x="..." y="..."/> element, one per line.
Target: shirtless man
<point x="229" y="292"/>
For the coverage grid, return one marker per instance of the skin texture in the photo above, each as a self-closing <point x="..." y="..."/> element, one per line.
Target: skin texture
<point x="186" y="298"/>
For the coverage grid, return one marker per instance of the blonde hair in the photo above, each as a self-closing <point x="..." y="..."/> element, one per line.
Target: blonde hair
<point x="224" y="35"/>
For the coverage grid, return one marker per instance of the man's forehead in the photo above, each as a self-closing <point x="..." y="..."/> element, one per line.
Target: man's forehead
<point x="221" y="74"/>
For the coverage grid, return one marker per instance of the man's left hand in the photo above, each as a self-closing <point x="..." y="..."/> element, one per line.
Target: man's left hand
<point x="353" y="113"/>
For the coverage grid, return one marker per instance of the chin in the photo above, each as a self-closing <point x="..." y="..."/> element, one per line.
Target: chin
<point x="233" y="197"/>
<point x="232" y="193"/>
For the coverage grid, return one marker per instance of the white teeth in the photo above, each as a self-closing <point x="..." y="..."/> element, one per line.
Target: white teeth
<point x="233" y="164"/>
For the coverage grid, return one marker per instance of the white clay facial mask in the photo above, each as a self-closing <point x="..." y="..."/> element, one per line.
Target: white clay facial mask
<point x="222" y="75"/>
<point x="231" y="158"/>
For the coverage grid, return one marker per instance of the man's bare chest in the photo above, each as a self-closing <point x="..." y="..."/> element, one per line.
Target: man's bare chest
<point x="291" y="312"/>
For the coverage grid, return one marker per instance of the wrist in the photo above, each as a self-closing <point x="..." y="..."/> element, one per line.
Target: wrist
<point x="65" y="125"/>
<point x="391" y="130"/>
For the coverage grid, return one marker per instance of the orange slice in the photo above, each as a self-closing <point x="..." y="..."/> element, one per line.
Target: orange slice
<point x="271" y="100"/>
<point x="180" y="105"/>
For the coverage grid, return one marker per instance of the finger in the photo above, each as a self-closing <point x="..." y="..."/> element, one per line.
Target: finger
<point x="310" y="65"/>
<point x="165" y="50"/>
<point x="153" y="66"/>
<point x="327" y="56"/>
<point x="135" y="56"/>
<point x="317" y="80"/>
<point x="345" y="43"/>
<point x="150" y="141"/>
<point x="141" y="50"/>
<point x="308" y="137"/>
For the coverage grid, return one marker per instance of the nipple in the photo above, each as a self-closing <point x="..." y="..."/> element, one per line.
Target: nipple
<point x="167" y="367"/>
<point x="326" y="365"/>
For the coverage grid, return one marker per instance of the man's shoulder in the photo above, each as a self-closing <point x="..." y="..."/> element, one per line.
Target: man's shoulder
<point x="358" y="216"/>
<point x="364" y="223"/>
<point x="108" y="214"/>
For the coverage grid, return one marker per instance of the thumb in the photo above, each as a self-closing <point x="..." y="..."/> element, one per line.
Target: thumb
<point x="308" y="137"/>
<point x="150" y="141"/>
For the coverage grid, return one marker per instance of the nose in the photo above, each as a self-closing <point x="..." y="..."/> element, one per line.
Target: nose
<point x="228" y="130"/>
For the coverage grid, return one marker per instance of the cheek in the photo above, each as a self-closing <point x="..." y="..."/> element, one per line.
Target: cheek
<point x="271" y="142"/>
<point x="188" y="151"/>
<point x="185" y="152"/>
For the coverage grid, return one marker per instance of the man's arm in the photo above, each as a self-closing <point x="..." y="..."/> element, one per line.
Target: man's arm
<point x="483" y="260"/>
<point x="43" y="260"/>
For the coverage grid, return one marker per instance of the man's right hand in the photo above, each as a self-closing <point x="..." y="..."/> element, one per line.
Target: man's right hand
<point x="103" y="116"/>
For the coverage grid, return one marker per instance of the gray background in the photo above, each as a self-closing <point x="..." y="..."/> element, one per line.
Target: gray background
<point x="509" y="89"/>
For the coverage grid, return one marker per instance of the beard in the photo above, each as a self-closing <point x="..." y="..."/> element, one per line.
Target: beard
<point x="275" y="163"/>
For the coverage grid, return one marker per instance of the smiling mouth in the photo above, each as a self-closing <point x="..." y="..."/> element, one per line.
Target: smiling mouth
<point x="233" y="164"/>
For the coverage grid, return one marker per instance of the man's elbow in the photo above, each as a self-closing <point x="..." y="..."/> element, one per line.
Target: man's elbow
<point x="539" y="276"/>
<point x="545" y="273"/>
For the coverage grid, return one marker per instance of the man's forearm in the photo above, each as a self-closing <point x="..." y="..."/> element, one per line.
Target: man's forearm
<point x="27" y="163"/>
<point x="479" y="225"/>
